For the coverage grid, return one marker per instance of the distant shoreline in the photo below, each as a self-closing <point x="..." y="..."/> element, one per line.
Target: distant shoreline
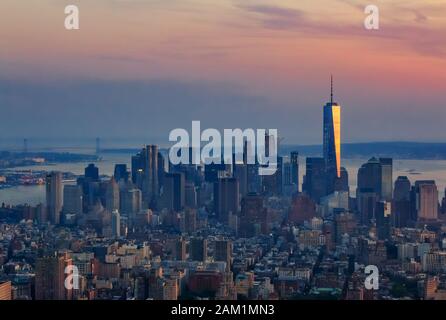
<point x="396" y="150"/>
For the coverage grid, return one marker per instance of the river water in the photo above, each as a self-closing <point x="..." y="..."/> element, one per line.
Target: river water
<point x="414" y="169"/>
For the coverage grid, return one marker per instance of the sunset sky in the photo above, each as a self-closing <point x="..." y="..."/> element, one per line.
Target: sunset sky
<point x="140" y="68"/>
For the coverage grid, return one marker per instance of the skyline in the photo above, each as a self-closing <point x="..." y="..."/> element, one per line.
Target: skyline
<point x="222" y="155"/>
<point x="140" y="62"/>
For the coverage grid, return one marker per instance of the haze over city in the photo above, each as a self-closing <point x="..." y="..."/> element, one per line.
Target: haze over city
<point x="222" y="150"/>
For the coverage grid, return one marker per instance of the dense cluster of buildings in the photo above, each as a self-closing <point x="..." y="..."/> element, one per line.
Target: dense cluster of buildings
<point x="221" y="231"/>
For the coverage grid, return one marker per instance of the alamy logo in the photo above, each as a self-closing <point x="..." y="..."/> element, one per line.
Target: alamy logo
<point x="259" y="145"/>
<point x="72" y="278"/>
<point x="371" y="22"/>
<point x="372" y="280"/>
<point x="72" y="18"/>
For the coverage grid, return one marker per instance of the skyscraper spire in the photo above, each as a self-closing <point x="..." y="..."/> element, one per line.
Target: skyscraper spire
<point x="332" y="141"/>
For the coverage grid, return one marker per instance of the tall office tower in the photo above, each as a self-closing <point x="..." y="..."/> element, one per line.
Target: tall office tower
<point x="116" y="224"/>
<point x="161" y="170"/>
<point x="401" y="208"/>
<point x="145" y="174"/>
<point x="254" y="179"/>
<point x="402" y="188"/>
<point x="341" y="183"/>
<point x="386" y="178"/>
<point x="223" y="252"/>
<point x="102" y="192"/>
<point x="370" y="177"/>
<point x="112" y="195"/>
<point x="288" y="188"/>
<point x="332" y="142"/>
<point x="50" y="277"/>
<point x="131" y="203"/>
<point x="137" y="170"/>
<point x="150" y="187"/>
<point x="314" y="180"/>
<point x="382" y="219"/>
<point x="241" y="174"/>
<point x="121" y="172"/>
<point x="426" y="200"/>
<point x="198" y="248"/>
<point x="286" y="177"/>
<point x="54" y="196"/>
<point x="191" y="200"/>
<point x="443" y="203"/>
<point x="92" y="172"/>
<point x="272" y="184"/>
<point x="212" y="171"/>
<point x="173" y="197"/>
<point x="226" y="198"/>
<point x="92" y="193"/>
<point x="366" y="199"/>
<point x="249" y="155"/>
<point x="294" y="160"/>
<point x="72" y="199"/>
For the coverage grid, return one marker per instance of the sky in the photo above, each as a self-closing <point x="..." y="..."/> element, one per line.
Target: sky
<point x="136" y="69"/>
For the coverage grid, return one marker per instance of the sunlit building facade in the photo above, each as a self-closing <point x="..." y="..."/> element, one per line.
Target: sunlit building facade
<point x="332" y="142"/>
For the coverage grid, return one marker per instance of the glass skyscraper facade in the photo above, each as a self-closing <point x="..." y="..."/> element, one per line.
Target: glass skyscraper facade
<point x="332" y="142"/>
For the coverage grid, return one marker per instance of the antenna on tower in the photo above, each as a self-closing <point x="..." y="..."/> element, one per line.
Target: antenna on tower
<point x="331" y="89"/>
